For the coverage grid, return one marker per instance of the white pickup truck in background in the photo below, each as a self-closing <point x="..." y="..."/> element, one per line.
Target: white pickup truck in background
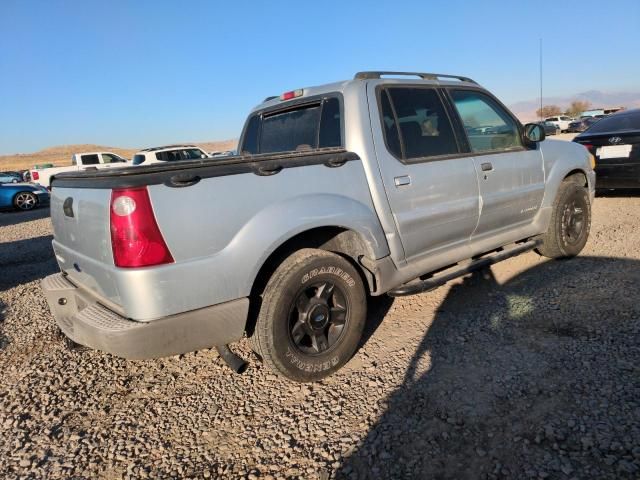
<point x="80" y="161"/>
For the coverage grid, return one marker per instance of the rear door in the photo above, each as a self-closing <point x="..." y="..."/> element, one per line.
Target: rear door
<point x="510" y="175"/>
<point x="431" y="187"/>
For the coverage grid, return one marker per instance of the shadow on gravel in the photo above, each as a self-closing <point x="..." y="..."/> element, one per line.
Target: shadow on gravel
<point x="535" y="378"/>
<point x="26" y="260"/>
<point x="3" y="339"/>
<point x="15" y="217"/>
<point x="377" y="309"/>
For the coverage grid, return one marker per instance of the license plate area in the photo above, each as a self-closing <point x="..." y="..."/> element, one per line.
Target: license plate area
<point x="614" y="151"/>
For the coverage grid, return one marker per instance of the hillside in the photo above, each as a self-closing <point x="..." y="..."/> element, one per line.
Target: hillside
<point x="526" y="111"/>
<point x="61" y="155"/>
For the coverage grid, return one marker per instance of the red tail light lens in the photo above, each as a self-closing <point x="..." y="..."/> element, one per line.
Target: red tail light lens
<point x="35" y="176"/>
<point x="588" y="146"/>
<point x="135" y="237"/>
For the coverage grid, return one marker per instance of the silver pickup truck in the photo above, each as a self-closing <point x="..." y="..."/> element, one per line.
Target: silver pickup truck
<point x="376" y="185"/>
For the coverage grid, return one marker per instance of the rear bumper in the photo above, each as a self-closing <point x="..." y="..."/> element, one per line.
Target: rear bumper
<point x="618" y="176"/>
<point x="87" y="322"/>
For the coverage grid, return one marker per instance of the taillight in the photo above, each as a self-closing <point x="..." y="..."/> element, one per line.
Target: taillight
<point x="35" y="176"/>
<point x="588" y="146"/>
<point x="135" y="237"/>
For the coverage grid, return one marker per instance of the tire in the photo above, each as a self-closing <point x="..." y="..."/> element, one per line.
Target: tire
<point x="312" y="316"/>
<point x="25" y="201"/>
<point x="570" y="222"/>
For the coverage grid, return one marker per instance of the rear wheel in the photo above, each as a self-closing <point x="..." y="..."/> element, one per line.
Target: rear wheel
<point x="25" y="201"/>
<point x="312" y="316"/>
<point x="570" y="222"/>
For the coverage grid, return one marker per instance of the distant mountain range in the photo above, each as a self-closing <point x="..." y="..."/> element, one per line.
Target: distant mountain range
<point x="526" y="111"/>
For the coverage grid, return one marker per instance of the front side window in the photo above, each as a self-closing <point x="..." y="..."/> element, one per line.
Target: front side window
<point x="420" y="120"/>
<point x="489" y="127"/>
<point x="193" y="153"/>
<point x="90" y="160"/>
<point x="305" y="127"/>
<point x="108" y="158"/>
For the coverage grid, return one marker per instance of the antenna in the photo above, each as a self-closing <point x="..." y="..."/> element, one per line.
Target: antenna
<point x="541" y="79"/>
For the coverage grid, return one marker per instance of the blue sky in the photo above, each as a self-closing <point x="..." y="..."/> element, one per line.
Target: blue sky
<point x="140" y="73"/>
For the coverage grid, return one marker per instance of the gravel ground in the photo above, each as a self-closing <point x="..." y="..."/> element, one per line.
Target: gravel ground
<point x="530" y="370"/>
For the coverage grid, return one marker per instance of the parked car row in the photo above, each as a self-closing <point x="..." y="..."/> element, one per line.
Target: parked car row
<point x="581" y="124"/>
<point x="106" y="160"/>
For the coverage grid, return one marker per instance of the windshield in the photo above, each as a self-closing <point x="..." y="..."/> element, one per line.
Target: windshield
<point x="615" y="123"/>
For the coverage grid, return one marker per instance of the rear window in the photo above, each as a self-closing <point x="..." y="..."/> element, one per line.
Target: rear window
<point x="306" y="127"/>
<point x="138" y="159"/>
<point x="615" y="123"/>
<point x="169" y="156"/>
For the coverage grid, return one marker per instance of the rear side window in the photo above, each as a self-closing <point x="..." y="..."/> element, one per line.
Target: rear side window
<point x="138" y="159"/>
<point x="307" y="127"/>
<point x="390" y="126"/>
<point x="169" y="156"/>
<point x="420" y="120"/>
<point x="90" y="160"/>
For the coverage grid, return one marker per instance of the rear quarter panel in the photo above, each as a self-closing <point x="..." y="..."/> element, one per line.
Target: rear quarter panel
<point x="221" y="230"/>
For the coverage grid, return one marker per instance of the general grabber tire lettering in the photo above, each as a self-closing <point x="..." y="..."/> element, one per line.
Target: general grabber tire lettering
<point x="312" y="315"/>
<point x="570" y="222"/>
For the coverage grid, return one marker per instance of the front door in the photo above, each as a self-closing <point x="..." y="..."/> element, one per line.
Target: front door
<point x="431" y="187"/>
<point x="510" y="175"/>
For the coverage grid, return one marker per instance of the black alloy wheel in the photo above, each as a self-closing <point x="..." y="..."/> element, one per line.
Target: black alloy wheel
<point x="318" y="317"/>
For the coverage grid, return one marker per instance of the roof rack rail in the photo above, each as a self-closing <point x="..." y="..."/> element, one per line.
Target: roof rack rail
<point x="153" y="149"/>
<point x="424" y="76"/>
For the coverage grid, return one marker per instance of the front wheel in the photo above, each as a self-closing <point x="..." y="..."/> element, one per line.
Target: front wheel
<point x="312" y="316"/>
<point x="570" y="222"/>
<point x="25" y="201"/>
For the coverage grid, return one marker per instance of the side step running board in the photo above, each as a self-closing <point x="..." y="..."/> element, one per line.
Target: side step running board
<point x="419" y="286"/>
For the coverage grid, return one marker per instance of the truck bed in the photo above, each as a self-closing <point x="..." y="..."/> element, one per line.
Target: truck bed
<point x="220" y="230"/>
<point x="185" y="173"/>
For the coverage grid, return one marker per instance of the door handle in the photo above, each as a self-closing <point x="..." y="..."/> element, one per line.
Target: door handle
<point x="486" y="167"/>
<point x="403" y="180"/>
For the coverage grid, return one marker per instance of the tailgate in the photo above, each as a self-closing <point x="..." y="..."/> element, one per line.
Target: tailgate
<point x="82" y="239"/>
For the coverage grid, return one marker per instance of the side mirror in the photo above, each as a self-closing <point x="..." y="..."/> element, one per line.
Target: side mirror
<point x="533" y="133"/>
<point x="202" y="155"/>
